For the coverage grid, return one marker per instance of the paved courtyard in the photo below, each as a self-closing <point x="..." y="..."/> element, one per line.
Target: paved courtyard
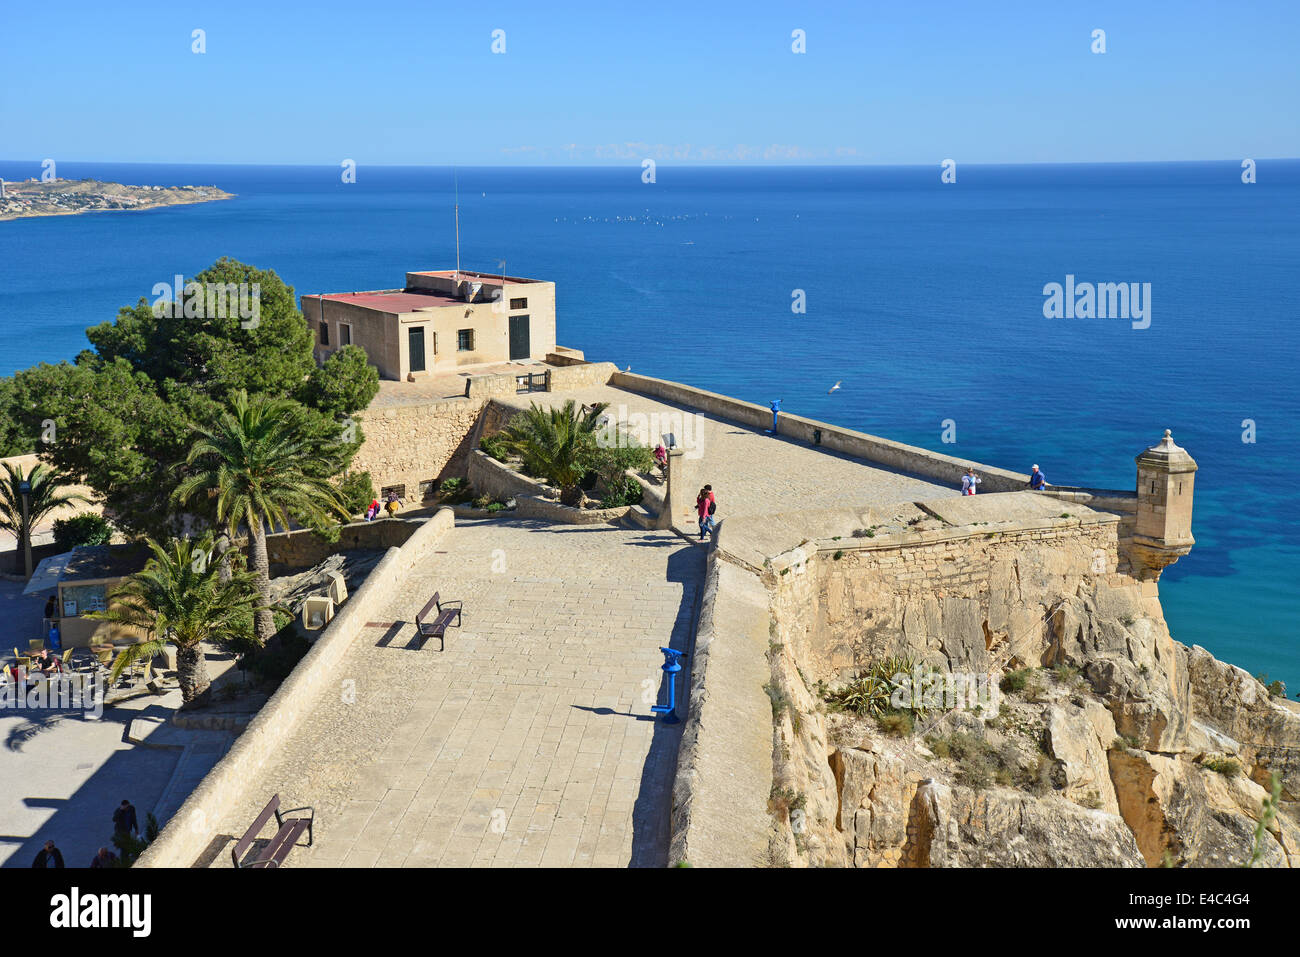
<point x="529" y="741"/>
<point x="751" y="472"/>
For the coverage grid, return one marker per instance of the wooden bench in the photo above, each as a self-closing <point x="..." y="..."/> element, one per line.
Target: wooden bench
<point x="286" y="836"/>
<point x="442" y="613"/>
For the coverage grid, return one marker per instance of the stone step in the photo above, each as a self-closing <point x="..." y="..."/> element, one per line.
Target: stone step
<point x="641" y="517"/>
<point x="155" y="733"/>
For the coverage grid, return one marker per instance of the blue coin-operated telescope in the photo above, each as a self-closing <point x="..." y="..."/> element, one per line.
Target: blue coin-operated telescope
<point x="776" y="408"/>
<point x="672" y="665"/>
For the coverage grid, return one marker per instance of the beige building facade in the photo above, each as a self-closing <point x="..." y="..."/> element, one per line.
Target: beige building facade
<point x="438" y="322"/>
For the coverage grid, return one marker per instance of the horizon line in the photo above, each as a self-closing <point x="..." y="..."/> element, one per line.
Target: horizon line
<point x="674" y="165"/>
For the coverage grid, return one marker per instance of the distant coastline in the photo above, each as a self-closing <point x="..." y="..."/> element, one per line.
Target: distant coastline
<point x="65" y="197"/>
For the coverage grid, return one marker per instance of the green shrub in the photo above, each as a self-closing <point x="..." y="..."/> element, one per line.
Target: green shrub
<point x="1276" y="689"/>
<point x="897" y="723"/>
<point x="624" y="491"/>
<point x="84" y="529"/>
<point x="1024" y="681"/>
<point x="1225" y="766"/>
<point x="131" y="846"/>
<point x="495" y="446"/>
<point x="357" y="492"/>
<point x="453" y="491"/>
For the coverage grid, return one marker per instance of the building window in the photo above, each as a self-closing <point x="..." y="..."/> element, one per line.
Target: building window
<point x="428" y="490"/>
<point x="388" y="489"/>
<point x="465" y="340"/>
<point x="324" y="333"/>
<point x="518" y="303"/>
<point x="345" y="334"/>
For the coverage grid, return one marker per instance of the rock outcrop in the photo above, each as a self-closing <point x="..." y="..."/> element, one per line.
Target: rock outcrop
<point x="1115" y="745"/>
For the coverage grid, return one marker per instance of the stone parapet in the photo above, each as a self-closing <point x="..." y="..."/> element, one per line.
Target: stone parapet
<point x="190" y="832"/>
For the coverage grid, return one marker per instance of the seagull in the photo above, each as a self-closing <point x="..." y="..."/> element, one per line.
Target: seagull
<point x="833" y="388"/>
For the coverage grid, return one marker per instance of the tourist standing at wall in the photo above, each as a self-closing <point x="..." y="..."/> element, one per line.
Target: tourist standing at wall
<point x="969" y="481"/>
<point x="1037" y="480"/>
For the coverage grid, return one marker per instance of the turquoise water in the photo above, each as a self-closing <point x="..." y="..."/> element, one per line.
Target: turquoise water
<point x="925" y="299"/>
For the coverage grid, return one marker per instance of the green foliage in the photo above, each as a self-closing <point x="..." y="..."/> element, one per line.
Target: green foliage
<point x="256" y="465"/>
<point x="276" y="660"/>
<point x="345" y="383"/>
<point x="870" y="692"/>
<point x="123" y="411"/>
<point x="356" y="491"/>
<point x="1268" y="814"/>
<point x="453" y="490"/>
<point x="1027" y="682"/>
<point x="980" y="764"/>
<point x="1225" y="766"/>
<point x="46" y="495"/>
<point x="556" y="444"/>
<point x="84" y="529"/>
<point x="130" y="846"/>
<point x="183" y="597"/>
<point x="1275" y="689"/>
<point x="624" y="491"/>
<point x="495" y="446"/>
<point x="897" y="723"/>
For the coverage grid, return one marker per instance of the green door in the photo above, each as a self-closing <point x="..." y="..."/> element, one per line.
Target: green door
<point x="415" y="340"/>
<point x="520" y="347"/>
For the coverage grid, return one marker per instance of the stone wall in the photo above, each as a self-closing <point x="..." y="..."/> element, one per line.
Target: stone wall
<point x="190" y="832"/>
<point x="870" y="448"/>
<point x="584" y="375"/>
<point x="487" y="476"/>
<point x="964" y="598"/>
<point x="410" y="444"/>
<point x="303" y="548"/>
<point x="549" y="510"/>
<point x="724" y="762"/>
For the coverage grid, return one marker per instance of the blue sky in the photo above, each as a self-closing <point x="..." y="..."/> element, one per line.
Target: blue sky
<point x="603" y="83"/>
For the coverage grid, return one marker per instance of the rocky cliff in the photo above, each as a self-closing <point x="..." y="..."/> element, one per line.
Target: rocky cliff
<point x="1105" y="741"/>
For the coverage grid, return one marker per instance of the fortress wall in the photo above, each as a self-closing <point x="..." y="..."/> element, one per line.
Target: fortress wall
<point x="964" y="598"/>
<point x="303" y="548"/>
<point x="569" y="378"/>
<point x="724" y="764"/>
<point x="410" y="444"/>
<point x="895" y="455"/>
<point x="189" y="834"/>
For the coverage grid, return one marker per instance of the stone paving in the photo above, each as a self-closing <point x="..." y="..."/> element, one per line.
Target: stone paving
<point x="529" y="741"/>
<point x="753" y="473"/>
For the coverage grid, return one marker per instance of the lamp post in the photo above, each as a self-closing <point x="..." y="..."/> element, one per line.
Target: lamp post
<point x="25" y="490"/>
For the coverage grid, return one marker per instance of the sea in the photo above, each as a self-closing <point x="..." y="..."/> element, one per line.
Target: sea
<point x="924" y="299"/>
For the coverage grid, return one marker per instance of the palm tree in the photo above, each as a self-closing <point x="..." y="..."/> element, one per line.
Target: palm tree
<point x="45" y="496"/>
<point x="556" y="444"/>
<point x="180" y="598"/>
<point x="260" y="461"/>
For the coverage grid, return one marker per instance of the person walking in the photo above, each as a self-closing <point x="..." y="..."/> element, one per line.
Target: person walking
<point x="705" y="505"/>
<point x="49" y="856"/>
<point x="393" y="504"/>
<point x="969" y="481"/>
<point x="105" y="858"/>
<point x="1037" y="480"/>
<point x="124" y="818"/>
<point x="372" y="510"/>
